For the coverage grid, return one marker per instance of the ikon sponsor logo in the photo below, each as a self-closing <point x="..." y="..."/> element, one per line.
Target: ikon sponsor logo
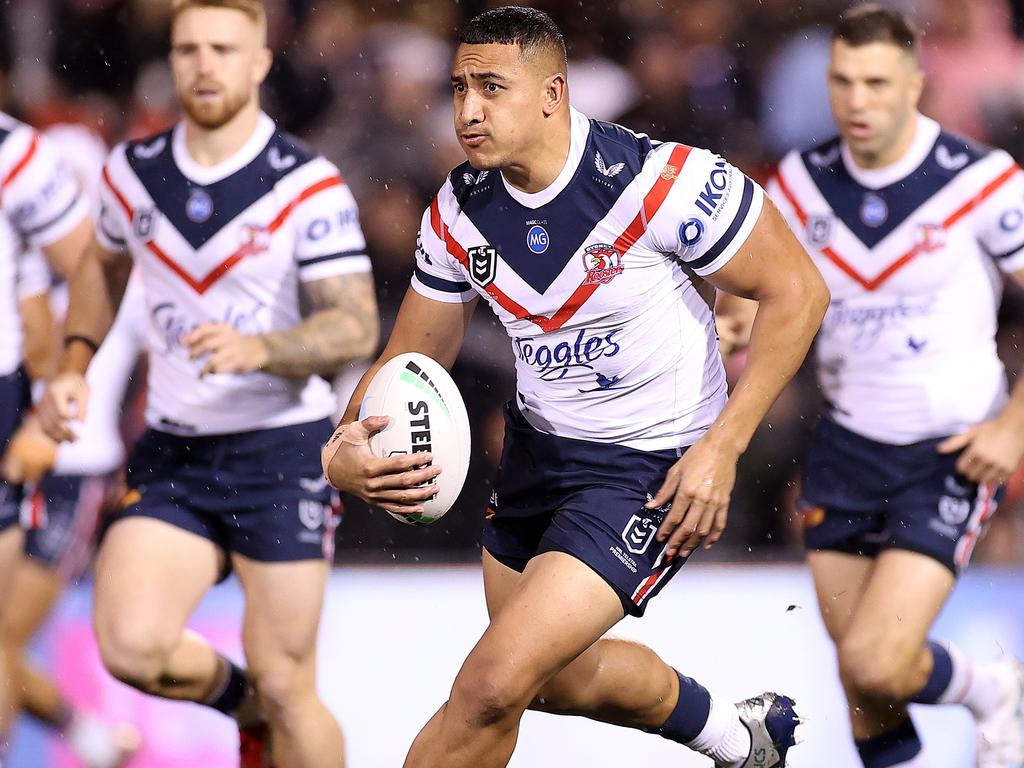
<point x="714" y="188"/>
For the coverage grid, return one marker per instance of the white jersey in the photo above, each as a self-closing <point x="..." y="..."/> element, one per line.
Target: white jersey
<point x="591" y="278"/>
<point x="40" y="202"/>
<point x="228" y="244"/>
<point x="912" y="255"/>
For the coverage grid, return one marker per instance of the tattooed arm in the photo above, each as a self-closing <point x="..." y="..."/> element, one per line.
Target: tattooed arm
<point x="341" y="324"/>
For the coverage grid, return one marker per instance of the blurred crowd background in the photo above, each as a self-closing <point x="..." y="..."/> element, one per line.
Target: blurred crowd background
<point x="366" y="82"/>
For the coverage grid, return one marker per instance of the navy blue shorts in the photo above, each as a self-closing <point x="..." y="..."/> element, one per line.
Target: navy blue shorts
<point x="261" y="494"/>
<point x="15" y="400"/>
<point x="861" y="497"/>
<point x="61" y="517"/>
<point x="585" y="499"/>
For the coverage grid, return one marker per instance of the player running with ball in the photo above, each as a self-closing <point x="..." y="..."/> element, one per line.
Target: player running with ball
<point x="591" y="244"/>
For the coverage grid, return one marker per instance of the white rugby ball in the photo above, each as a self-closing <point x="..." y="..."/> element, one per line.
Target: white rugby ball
<point x="427" y="414"/>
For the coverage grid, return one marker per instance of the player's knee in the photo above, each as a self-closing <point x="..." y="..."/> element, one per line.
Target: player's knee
<point x="490" y="692"/>
<point x="133" y="652"/>
<point x="876" y="669"/>
<point x="282" y="685"/>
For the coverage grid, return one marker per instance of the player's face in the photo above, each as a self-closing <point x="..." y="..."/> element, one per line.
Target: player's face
<point x="219" y="61"/>
<point x="874" y="90"/>
<point x="499" y="102"/>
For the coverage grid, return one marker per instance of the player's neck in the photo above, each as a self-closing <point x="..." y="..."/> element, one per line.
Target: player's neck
<point x="212" y="147"/>
<point x="891" y="154"/>
<point x="545" y="162"/>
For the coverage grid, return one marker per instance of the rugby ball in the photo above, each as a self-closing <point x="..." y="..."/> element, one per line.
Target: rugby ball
<point x="427" y="414"/>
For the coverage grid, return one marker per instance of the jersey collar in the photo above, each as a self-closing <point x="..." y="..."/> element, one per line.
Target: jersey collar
<point x="579" y="132"/>
<point x="204" y="175"/>
<point x="925" y="136"/>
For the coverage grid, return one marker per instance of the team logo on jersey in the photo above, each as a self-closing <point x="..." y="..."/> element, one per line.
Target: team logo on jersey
<point x="255" y="240"/>
<point x="610" y="171"/>
<point x="639" y="533"/>
<point x="820" y="229"/>
<point x="874" y="211"/>
<point x="669" y="172"/>
<point x="199" y="206"/>
<point x="690" y="232"/>
<point x="143" y="223"/>
<point x="931" y="237"/>
<point x="483" y="264"/>
<point x="948" y="160"/>
<point x="603" y="264"/>
<point x="537" y="239"/>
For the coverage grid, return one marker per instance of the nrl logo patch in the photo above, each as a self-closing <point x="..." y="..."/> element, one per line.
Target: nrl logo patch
<point x="483" y="264"/>
<point x="638" y="534"/>
<point x="143" y="223"/>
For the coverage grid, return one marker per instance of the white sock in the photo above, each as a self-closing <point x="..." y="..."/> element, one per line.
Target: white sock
<point x="724" y="738"/>
<point x="92" y="741"/>
<point x="976" y="686"/>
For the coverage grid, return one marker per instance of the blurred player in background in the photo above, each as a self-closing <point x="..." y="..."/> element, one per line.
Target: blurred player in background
<point x="41" y="206"/>
<point x="256" y="282"/>
<point x="912" y="228"/>
<point x="587" y="241"/>
<point x="68" y="485"/>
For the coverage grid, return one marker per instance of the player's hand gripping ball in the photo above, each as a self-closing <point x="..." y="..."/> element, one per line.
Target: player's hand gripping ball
<point x="426" y="414"/>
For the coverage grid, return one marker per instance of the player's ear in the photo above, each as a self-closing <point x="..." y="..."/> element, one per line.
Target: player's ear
<point x="264" y="60"/>
<point x="556" y="93"/>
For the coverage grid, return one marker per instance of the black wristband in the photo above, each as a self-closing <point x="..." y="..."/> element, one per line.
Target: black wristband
<point x="69" y="340"/>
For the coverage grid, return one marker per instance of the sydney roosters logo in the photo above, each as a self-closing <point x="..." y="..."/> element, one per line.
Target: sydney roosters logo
<point x="603" y="263"/>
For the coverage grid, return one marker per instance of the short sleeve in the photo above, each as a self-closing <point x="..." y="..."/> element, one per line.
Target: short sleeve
<point x="708" y="213"/>
<point x="40" y="194"/>
<point x="34" y="276"/>
<point x="329" y="240"/>
<point x="112" y="223"/>
<point x="999" y="222"/>
<point x="437" y="275"/>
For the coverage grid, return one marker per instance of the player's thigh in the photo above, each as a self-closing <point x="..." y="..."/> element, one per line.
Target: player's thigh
<point x="900" y="602"/>
<point x="500" y="583"/>
<point x="839" y="582"/>
<point x="150" y="576"/>
<point x="11" y="544"/>
<point x="34" y="590"/>
<point x="283" y="602"/>
<point x="559" y="608"/>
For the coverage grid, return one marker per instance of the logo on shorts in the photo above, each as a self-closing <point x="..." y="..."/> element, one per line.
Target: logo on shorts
<point x="483" y="264"/>
<point x="954" y="511"/>
<point x="639" y="533"/>
<point x="312" y="514"/>
<point x="131" y="496"/>
<point x="813" y="516"/>
<point x="603" y="263"/>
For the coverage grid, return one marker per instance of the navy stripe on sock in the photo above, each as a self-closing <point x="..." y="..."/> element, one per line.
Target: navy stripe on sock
<point x="892" y="748"/>
<point x="690" y="714"/>
<point x="232" y="694"/>
<point x="939" y="679"/>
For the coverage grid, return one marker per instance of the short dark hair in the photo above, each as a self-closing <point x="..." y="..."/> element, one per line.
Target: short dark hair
<point x="873" y="23"/>
<point x="528" y="28"/>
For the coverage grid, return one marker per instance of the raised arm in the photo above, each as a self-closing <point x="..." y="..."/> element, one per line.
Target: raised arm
<point x="436" y="329"/>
